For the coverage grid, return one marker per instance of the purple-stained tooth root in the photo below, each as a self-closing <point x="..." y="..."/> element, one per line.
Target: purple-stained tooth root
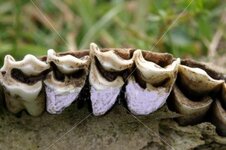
<point x="143" y="101"/>
<point x="103" y="100"/>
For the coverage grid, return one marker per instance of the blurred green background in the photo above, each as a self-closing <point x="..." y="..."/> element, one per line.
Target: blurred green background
<point x="33" y="26"/>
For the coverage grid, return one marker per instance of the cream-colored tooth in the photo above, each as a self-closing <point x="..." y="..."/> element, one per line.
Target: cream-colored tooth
<point x="192" y="111"/>
<point x="60" y="94"/>
<point x="197" y="80"/>
<point x="109" y="60"/>
<point x="103" y="92"/>
<point x="142" y="101"/>
<point x="20" y="95"/>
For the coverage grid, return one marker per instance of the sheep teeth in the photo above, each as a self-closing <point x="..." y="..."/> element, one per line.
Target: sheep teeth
<point x="147" y="80"/>
<point x="158" y="83"/>
<point x="66" y="80"/>
<point x="104" y="92"/>
<point x="22" y="84"/>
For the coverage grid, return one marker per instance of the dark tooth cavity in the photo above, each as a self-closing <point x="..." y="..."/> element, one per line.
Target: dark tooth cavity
<point x="20" y="76"/>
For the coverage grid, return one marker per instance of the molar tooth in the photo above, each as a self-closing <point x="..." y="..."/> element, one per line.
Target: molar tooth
<point x="104" y="92"/>
<point x="145" y="100"/>
<point x="22" y="84"/>
<point x="192" y="110"/>
<point x="194" y="77"/>
<point x="62" y="92"/>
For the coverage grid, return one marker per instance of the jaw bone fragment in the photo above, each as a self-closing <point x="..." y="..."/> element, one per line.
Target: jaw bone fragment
<point x="192" y="110"/>
<point x="66" y="80"/>
<point x="104" y="65"/>
<point x="22" y="83"/>
<point x="157" y="82"/>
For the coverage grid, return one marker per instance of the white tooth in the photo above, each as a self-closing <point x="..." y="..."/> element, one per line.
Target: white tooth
<point x="20" y="95"/>
<point x="60" y="94"/>
<point x="197" y="80"/>
<point x="145" y="101"/>
<point x="103" y="92"/>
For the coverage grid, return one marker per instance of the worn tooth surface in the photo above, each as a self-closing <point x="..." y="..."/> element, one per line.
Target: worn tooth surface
<point x="157" y="82"/>
<point x="22" y="84"/>
<point x="103" y="91"/>
<point x="67" y="79"/>
<point x="198" y="79"/>
<point x="192" y="110"/>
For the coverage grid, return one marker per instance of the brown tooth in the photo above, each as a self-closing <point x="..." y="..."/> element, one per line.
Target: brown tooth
<point x="67" y="79"/>
<point x="106" y="76"/>
<point x="198" y="78"/>
<point x="223" y="93"/>
<point x="22" y="82"/>
<point x="192" y="110"/>
<point x="219" y="117"/>
<point x="151" y="83"/>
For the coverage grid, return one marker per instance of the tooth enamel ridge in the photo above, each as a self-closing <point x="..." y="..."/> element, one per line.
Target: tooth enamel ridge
<point x="192" y="89"/>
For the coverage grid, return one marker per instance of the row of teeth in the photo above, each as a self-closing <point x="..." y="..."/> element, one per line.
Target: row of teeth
<point x="149" y="79"/>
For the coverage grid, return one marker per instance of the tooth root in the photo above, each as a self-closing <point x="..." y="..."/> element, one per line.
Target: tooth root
<point x="20" y="92"/>
<point x="219" y="117"/>
<point x="143" y="101"/>
<point x="104" y="93"/>
<point x="60" y="94"/>
<point x="192" y="111"/>
<point x="103" y="100"/>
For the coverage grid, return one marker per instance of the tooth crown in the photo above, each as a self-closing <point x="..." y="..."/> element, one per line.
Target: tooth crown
<point x="20" y="95"/>
<point x="150" y="80"/>
<point x="198" y="80"/>
<point x="152" y="72"/>
<point x="109" y="59"/>
<point x="68" y="63"/>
